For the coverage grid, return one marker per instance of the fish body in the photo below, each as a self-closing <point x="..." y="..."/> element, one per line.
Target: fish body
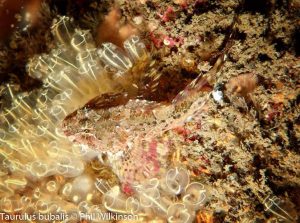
<point x="135" y="133"/>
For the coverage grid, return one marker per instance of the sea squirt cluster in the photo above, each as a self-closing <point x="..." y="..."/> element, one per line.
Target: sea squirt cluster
<point x="98" y="96"/>
<point x="172" y="197"/>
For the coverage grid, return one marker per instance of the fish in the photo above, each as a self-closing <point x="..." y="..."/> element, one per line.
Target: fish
<point x="133" y="132"/>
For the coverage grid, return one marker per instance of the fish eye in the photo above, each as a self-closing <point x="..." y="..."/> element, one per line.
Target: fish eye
<point x="86" y="131"/>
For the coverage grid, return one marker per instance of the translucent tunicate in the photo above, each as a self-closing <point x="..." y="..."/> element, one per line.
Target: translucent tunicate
<point x="2" y="135"/>
<point x="38" y="168"/>
<point x="88" y="65"/>
<point x="16" y="182"/>
<point x="21" y="105"/>
<point x="150" y="197"/>
<point x="276" y="206"/>
<point x="36" y="193"/>
<point x="43" y="99"/>
<point x="102" y="185"/>
<point x="178" y="213"/>
<point x="78" y="189"/>
<point x="42" y="206"/>
<point x="113" y="57"/>
<point x="6" y="163"/>
<point x="15" y="128"/>
<point x="83" y="207"/>
<point x="6" y="205"/>
<point x="26" y="201"/>
<point x="195" y="196"/>
<point x="67" y="189"/>
<point x="135" y="48"/>
<point x="80" y="39"/>
<point x="69" y="168"/>
<point x="53" y="149"/>
<point x="62" y="169"/>
<point x="51" y="186"/>
<point x="61" y="29"/>
<point x="176" y="180"/>
<point x="114" y="201"/>
<point x="133" y="205"/>
<point x="53" y="208"/>
<point x="39" y="67"/>
<point x="58" y="112"/>
<point x="86" y="56"/>
<point x="43" y="127"/>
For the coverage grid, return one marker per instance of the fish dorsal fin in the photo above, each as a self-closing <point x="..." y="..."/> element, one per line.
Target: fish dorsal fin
<point x="200" y="82"/>
<point x="108" y="100"/>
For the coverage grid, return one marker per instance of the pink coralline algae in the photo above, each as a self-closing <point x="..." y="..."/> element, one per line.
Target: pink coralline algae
<point x="160" y="40"/>
<point x="167" y="15"/>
